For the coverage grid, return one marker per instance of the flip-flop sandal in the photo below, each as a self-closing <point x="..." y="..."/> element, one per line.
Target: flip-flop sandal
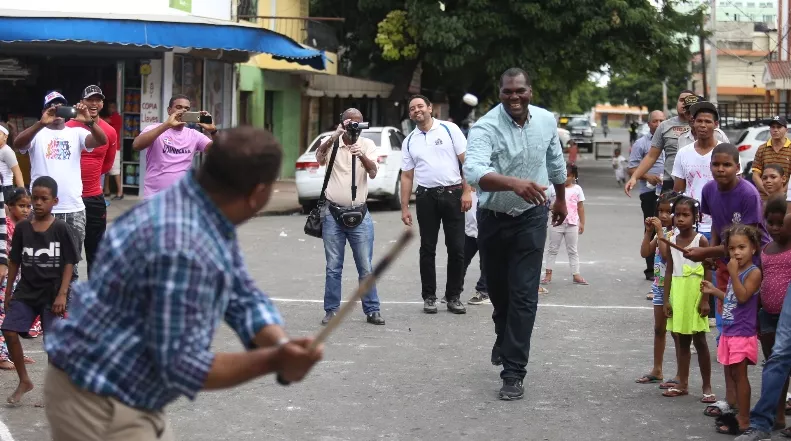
<point x="729" y="425"/>
<point x="542" y="290"/>
<point x="718" y="409"/>
<point x="582" y="282"/>
<point x="668" y="384"/>
<point x="7" y="365"/>
<point x="709" y="399"/>
<point x="546" y="281"/>
<point x="649" y="296"/>
<point x="673" y="393"/>
<point x="786" y="432"/>
<point x="648" y="379"/>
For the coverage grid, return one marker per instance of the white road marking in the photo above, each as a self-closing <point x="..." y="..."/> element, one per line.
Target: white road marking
<point x="542" y="305"/>
<point x="5" y="434"/>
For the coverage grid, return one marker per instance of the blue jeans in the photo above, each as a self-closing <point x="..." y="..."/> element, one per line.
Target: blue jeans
<point x="361" y="239"/>
<point x="775" y="373"/>
<point x="717" y="315"/>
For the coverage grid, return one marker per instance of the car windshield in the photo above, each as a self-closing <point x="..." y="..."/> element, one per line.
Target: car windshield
<point x="578" y="122"/>
<point x="375" y="136"/>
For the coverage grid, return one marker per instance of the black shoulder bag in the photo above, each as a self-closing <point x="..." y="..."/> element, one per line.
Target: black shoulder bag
<point x="313" y="223"/>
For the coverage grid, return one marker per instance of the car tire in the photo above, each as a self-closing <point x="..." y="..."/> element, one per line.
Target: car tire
<point x="395" y="201"/>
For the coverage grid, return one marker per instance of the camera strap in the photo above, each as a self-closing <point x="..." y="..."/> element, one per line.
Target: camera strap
<point x="327" y="173"/>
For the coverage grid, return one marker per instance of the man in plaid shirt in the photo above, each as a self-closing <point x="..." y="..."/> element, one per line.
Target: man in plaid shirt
<point x="139" y="332"/>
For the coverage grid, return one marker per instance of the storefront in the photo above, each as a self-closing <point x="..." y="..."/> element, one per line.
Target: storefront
<point x="139" y="63"/>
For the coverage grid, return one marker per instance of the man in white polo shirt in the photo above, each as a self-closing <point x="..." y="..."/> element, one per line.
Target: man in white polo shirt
<point x="432" y="155"/>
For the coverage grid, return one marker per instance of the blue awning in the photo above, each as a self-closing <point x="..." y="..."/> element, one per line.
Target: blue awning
<point x="156" y="32"/>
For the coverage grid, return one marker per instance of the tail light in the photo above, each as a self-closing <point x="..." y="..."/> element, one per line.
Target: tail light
<point x="307" y="165"/>
<point x="381" y="160"/>
<point x="744" y="147"/>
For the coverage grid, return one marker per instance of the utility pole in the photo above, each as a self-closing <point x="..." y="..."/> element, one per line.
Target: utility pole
<point x="664" y="97"/>
<point x="702" y="43"/>
<point x="713" y="60"/>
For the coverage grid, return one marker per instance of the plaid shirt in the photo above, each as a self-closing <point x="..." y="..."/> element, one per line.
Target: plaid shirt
<point x="167" y="272"/>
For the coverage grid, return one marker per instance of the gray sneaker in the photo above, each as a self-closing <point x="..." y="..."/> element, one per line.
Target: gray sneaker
<point x="444" y="299"/>
<point x="430" y="306"/>
<point x="479" y="298"/>
<point x="753" y="434"/>
<point x="456" y="307"/>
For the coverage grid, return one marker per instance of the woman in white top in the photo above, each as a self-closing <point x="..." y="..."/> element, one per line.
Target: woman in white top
<point x="10" y="172"/>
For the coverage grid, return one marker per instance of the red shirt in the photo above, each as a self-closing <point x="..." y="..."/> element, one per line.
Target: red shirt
<point x="118" y="124"/>
<point x="97" y="162"/>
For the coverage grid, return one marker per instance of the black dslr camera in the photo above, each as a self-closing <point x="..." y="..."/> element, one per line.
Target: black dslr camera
<point x="354" y="128"/>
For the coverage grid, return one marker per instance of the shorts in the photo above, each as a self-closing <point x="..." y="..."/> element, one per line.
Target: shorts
<point x="116" y="170"/>
<point x="735" y="349"/>
<point x="659" y="296"/>
<point x="767" y="322"/>
<point x="21" y="317"/>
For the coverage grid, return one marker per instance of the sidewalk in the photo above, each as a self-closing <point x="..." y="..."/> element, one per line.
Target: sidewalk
<point x="284" y="201"/>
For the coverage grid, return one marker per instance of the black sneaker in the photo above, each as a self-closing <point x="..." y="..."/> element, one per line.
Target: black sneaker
<point x="479" y="299"/>
<point x="327" y="317"/>
<point x="456" y="307"/>
<point x="375" y="318"/>
<point x="512" y="389"/>
<point x="430" y="306"/>
<point x="497" y="358"/>
<point x="649" y="275"/>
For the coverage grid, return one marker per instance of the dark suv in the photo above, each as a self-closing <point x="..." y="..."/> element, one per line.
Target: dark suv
<point x="581" y="132"/>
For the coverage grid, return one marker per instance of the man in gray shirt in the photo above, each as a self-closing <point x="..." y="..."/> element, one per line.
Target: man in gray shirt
<point x="651" y="183"/>
<point x="666" y="139"/>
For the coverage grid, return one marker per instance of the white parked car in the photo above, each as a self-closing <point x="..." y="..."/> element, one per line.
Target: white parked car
<point x="748" y="143"/>
<point x="564" y="136"/>
<point x="385" y="186"/>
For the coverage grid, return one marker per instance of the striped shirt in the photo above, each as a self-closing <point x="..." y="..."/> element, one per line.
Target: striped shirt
<point x="498" y="145"/>
<point x="766" y="155"/>
<point x="167" y="272"/>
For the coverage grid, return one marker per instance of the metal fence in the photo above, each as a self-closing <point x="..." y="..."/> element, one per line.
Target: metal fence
<point x="738" y="116"/>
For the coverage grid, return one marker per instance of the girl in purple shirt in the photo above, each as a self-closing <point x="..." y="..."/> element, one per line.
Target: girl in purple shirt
<point x="738" y="346"/>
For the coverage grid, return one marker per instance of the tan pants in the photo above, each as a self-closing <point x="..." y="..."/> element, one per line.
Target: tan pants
<point x="78" y="415"/>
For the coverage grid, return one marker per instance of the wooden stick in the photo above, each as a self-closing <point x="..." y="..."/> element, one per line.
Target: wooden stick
<point x="364" y="287"/>
<point x="672" y="245"/>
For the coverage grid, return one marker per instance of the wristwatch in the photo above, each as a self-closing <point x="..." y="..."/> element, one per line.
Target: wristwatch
<point x="90" y="123"/>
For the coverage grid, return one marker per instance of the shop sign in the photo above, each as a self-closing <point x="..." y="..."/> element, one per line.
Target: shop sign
<point x="151" y="96"/>
<point x="182" y="5"/>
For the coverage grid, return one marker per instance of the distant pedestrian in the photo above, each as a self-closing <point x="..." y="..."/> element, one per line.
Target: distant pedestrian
<point x="470" y="249"/>
<point x="570" y="230"/>
<point x="656" y="227"/>
<point x="573" y="151"/>
<point x="686" y="308"/>
<point x="738" y="345"/>
<point x="432" y="156"/>
<point x="619" y="164"/>
<point x="606" y="129"/>
<point x="512" y="227"/>
<point x="632" y="132"/>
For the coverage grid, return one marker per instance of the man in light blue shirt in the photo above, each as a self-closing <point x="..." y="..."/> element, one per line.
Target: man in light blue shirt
<point x="513" y="154"/>
<point x="650" y="181"/>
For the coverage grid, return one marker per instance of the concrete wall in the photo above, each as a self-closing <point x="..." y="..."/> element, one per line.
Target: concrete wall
<point x="287" y="108"/>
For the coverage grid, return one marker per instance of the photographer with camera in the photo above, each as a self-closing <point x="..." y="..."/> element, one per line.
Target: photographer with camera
<point x="56" y="151"/>
<point x="350" y="160"/>
<point x="174" y="145"/>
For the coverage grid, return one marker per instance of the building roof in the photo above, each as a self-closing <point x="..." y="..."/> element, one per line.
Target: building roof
<point x="779" y="69"/>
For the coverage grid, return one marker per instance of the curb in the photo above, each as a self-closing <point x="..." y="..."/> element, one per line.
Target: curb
<point x="281" y="212"/>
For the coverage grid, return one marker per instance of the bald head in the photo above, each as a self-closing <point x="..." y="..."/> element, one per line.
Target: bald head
<point x="351" y="113"/>
<point x="654" y="119"/>
<point x="239" y="160"/>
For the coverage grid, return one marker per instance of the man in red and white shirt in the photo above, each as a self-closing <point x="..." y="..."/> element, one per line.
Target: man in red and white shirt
<point x="93" y="165"/>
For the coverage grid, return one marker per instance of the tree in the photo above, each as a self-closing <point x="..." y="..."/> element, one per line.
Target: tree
<point x="464" y="45"/>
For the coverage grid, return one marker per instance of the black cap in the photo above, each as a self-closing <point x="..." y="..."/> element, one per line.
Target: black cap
<point x="91" y="91"/>
<point x="692" y="99"/>
<point x="779" y="120"/>
<point x="703" y="105"/>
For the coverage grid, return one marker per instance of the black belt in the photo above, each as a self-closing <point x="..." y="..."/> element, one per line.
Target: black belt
<point x="501" y="215"/>
<point x="441" y="189"/>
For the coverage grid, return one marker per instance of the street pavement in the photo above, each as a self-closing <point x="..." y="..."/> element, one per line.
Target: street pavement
<point x="428" y="377"/>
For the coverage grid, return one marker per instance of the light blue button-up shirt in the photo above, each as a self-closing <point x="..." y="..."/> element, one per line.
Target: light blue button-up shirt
<point x="496" y="144"/>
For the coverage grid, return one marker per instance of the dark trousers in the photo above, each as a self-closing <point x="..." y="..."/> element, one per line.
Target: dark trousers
<point x="470" y="249"/>
<point x="648" y="205"/>
<point x="95" y="225"/>
<point x="513" y="249"/>
<point x="435" y="206"/>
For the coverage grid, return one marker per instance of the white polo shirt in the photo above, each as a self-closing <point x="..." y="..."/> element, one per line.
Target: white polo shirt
<point x="434" y="154"/>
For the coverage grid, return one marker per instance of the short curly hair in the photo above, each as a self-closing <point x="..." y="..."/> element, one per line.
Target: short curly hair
<point x="748" y="231"/>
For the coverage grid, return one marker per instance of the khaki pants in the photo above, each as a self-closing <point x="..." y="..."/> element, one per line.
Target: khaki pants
<point x="78" y="415"/>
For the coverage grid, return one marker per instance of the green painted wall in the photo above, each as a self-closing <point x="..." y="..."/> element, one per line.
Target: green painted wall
<point x="287" y="109"/>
